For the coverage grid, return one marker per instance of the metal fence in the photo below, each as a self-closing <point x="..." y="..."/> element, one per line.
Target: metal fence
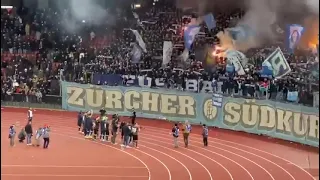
<point x="21" y="100"/>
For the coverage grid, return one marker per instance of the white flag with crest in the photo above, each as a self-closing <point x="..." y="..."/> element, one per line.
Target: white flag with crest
<point x="167" y="52"/>
<point x="278" y="63"/>
<point x="235" y="58"/>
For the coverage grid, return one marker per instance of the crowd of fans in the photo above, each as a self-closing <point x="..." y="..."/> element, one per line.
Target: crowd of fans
<point x="36" y="51"/>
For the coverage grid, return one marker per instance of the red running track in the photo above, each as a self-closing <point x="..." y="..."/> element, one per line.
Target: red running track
<point x="230" y="155"/>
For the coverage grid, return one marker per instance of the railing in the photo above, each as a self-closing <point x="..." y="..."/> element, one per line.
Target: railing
<point x="21" y="100"/>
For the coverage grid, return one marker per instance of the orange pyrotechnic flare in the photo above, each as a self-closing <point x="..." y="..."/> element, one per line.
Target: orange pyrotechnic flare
<point x="310" y="37"/>
<point x="218" y="52"/>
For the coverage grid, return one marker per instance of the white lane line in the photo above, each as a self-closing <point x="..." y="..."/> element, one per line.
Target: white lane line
<point x="219" y="155"/>
<point x="224" y="156"/>
<point x="146" y="166"/>
<point x="66" y="127"/>
<point x="291" y="176"/>
<point x="181" y="154"/>
<point x="165" y="148"/>
<point x="249" y="159"/>
<point x="190" y="176"/>
<point x="289" y="162"/>
<point x="63" y="166"/>
<point x="154" y="140"/>
<point x="164" y="165"/>
<point x="74" y="137"/>
<point x="71" y="175"/>
<point x="249" y="147"/>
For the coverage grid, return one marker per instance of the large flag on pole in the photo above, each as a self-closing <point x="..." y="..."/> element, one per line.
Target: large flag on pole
<point x="278" y="63"/>
<point x="136" y="53"/>
<point x="235" y="58"/>
<point x="139" y="40"/>
<point x="189" y="35"/>
<point x="136" y="16"/>
<point x="294" y="35"/>
<point x="210" y="21"/>
<point x="167" y="52"/>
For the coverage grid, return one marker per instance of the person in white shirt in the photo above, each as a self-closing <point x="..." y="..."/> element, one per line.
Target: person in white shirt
<point x="30" y="115"/>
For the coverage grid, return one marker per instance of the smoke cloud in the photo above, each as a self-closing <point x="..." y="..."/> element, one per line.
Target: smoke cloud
<point x="261" y="16"/>
<point x="313" y="5"/>
<point x="83" y="11"/>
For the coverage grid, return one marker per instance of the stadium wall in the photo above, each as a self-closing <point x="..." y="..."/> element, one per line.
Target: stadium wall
<point x="279" y="120"/>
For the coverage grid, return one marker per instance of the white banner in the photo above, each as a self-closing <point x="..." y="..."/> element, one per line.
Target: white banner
<point x="185" y="55"/>
<point x="235" y="57"/>
<point x="167" y="52"/>
<point x="139" y="40"/>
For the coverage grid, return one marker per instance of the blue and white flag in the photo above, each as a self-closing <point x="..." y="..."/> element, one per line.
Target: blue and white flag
<point x="241" y="32"/>
<point x="277" y="61"/>
<point x="136" y="54"/>
<point x="230" y="68"/>
<point x="210" y="21"/>
<point x="189" y="35"/>
<point x="139" y="40"/>
<point x="217" y="100"/>
<point x="294" y="35"/>
<point x="266" y="70"/>
<point x="235" y="58"/>
<point x="167" y="52"/>
<point x="292" y="96"/>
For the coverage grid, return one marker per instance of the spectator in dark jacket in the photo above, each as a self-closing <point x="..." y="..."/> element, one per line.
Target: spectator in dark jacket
<point x="22" y="135"/>
<point x="80" y="121"/>
<point x="46" y="136"/>
<point x="133" y="117"/>
<point x="115" y="126"/>
<point x="29" y="132"/>
<point x="126" y="135"/>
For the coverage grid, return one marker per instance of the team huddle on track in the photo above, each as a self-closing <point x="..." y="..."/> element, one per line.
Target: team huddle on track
<point x="102" y="128"/>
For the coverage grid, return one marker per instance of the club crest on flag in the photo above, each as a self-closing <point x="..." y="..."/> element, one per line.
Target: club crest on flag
<point x="278" y="63"/>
